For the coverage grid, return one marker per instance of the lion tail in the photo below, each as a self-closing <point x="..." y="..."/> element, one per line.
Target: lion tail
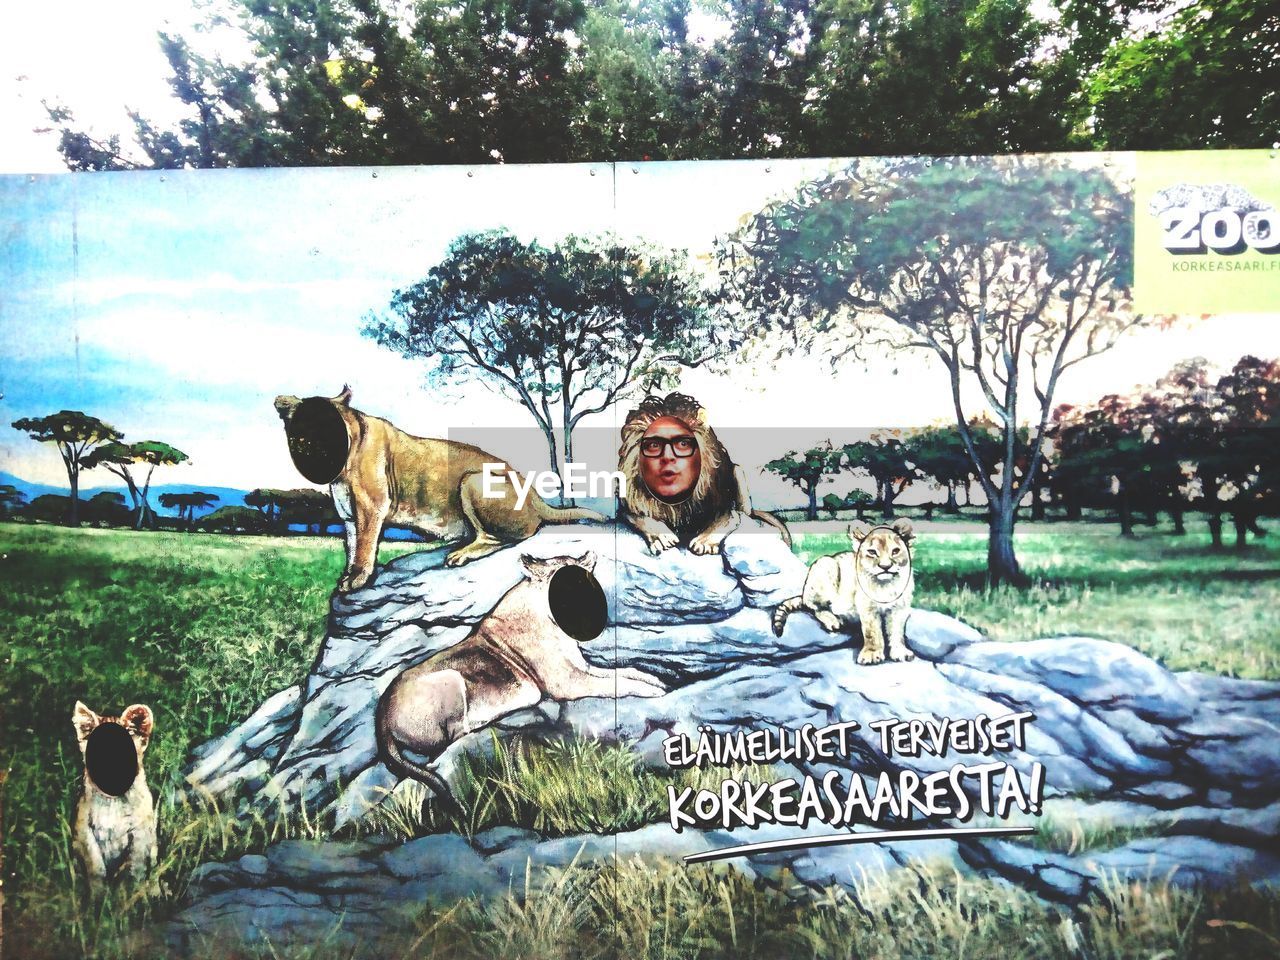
<point x="784" y="609"/>
<point x="776" y="522"/>
<point x="567" y="514"/>
<point x="400" y="765"/>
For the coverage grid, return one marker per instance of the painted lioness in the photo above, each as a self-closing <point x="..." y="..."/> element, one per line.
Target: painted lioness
<point x="378" y="474"/>
<point x="716" y="498"/>
<point x="873" y="583"/>
<point x="523" y="650"/>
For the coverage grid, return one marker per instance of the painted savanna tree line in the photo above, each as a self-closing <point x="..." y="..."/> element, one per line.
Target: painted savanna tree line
<point x="86" y="443"/>
<point x="1197" y="439"/>
<point x="1008" y="272"/>
<point x="807" y="470"/>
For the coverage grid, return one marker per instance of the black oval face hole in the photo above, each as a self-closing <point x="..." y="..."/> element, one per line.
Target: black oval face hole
<point x="111" y="758"/>
<point x="577" y="603"/>
<point x="317" y="440"/>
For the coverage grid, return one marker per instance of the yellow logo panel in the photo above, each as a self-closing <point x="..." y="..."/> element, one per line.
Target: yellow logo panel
<point x="1207" y="232"/>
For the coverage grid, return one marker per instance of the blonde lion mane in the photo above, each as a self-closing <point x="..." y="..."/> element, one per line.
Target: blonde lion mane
<point x="715" y="492"/>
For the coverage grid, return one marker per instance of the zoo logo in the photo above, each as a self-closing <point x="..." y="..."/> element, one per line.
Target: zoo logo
<point x="1221" y="217"/>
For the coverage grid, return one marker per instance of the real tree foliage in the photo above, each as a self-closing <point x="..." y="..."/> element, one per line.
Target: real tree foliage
<point x="565" y="331"/>
<point x="1204" y="76"/>
<point x="1007" y="272"/>
<point x="479" y="81"/>
<point x="75" y="434"/>
<point x="808" y="469"/>
<point x="939" y="76"/>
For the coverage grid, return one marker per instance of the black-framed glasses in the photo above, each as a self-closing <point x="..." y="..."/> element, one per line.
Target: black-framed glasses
<point x="684" y="446"/>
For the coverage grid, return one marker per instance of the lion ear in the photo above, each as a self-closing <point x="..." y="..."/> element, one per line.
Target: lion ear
<point x="83" y="719"/>
<point x="535" y="567"/>
<point x="139" y="719"/>
<point x="344" y="397"/>
<point x="904" y="529"/>
<point x="285" y="406"/>
<point x="587" y="561"/>
<point x="858" y="532"/>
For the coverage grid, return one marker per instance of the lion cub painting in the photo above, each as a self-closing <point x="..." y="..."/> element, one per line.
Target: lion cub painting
<point x="115" y="829"/>
<point x="872" y="582"/>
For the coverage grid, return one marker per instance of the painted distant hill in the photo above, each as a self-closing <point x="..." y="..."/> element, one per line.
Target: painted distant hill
<point x="227" y="496"/>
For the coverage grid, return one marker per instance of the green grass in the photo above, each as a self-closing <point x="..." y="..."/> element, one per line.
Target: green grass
<point x="1075" y="835"/>
<point x="559" y="789"/>
<point x="659" y="909"/>
<point x="202" y="627"/>
<point x="1176" y="599"/>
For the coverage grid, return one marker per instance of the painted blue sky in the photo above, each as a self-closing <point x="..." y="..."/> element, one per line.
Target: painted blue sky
<point x="176" y="306"/>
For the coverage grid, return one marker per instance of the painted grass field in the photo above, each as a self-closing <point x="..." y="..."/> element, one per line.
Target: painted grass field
<point x="1173" y="597"/>
<point x="204" y="627"/>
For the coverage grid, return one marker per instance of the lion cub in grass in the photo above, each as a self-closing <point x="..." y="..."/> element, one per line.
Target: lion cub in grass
<point x="115" y="830"/>
<point x="872" y="582"/>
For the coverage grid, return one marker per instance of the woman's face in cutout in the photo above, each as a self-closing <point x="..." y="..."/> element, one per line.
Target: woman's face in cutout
<point x="670" y="461"/>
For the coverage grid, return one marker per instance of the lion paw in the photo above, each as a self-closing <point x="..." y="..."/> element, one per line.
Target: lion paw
<point x="830" y="622"/>
<point x="870" y="656"/>
<point x="901" y="653"/>
<point x="353" y="581"/>
<point x="462" y="555"/>
<point x="704" y="545"/>
<point x="662" y="541"/>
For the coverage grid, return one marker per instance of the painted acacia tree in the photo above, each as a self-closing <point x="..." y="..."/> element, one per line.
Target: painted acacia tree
<point x="75" y="434"/>
<point x="119" y="457"/>
<point x="186" y="504"/>
<point x="269" y="502"/>
<point x="12" y="500"/>
<point x="888" y="461"/>
<point x="1108" y="445"/>
<point x="565" y="330"/>
<point x="1008" y="271"/>
<point x="1250" y="394"/>
<point x="939" y="454"/>
<point x="807" y="469"/>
